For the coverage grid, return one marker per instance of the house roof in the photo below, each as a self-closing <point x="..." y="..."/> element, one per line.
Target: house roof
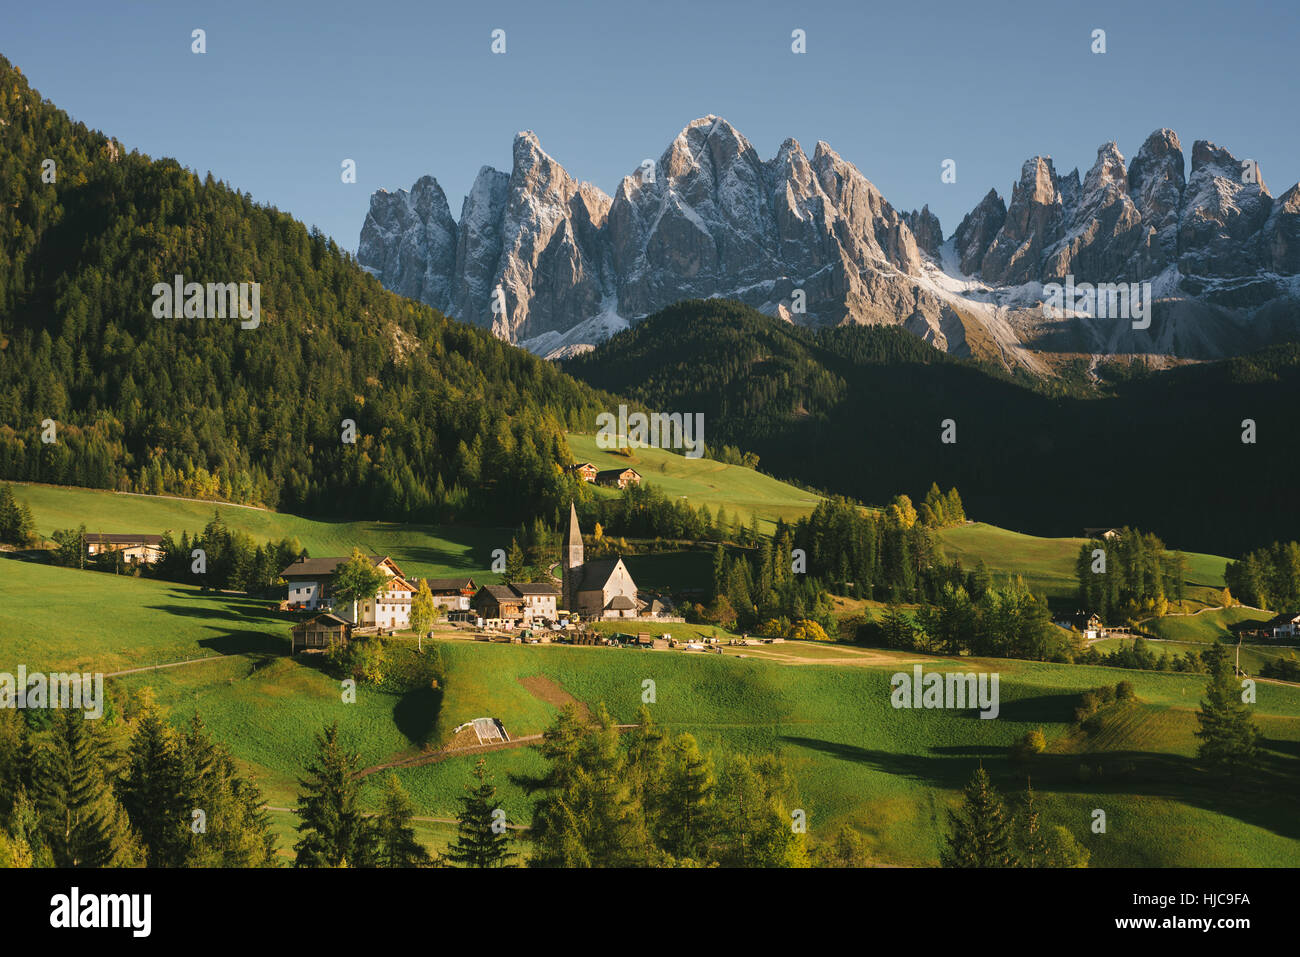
<point x="580" y="465"/>
<point x="101" y="539"/>
<point x="1286" y="618"/>
<point x="325" y="618"/>
<point x="535" y="588"/>
<point x="448" y="584"/>
<point x="500" y="592"/>
<point x="615" y="473"/>
<point x="621" y="603"/>
<point x="320" y="567"/>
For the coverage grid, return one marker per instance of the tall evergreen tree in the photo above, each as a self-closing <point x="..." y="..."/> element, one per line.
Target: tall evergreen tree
<point x="398" y="846"/>
<point x="481" y="838"/>
<point x="335" y="832"/>
<point x="83" y="822"/>
<point x="1229" y="736"/>
<point x="981" y="834"/>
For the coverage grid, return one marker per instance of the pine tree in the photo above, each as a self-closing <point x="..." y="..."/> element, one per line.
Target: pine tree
<point x="335" y="833"/>
<point x="1033" y="847"/>
<point x="152" y="791"/>
<point x="688" y="804"/>
<point x="83" y="823"/>
<point x="981" y="830"/>
<point x="1229" y="736"/>
<point x="514" y="563"/>
<point x="397" y="844"/>
<point x="481" y="838"/>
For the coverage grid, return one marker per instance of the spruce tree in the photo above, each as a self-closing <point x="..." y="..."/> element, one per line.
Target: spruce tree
<point x="981" y="829"/>
<point x="335" y="833"/>
<point x="83" y="823"/>
<point x="481" y="841"/>
<point x="689" y="809"/>
<point x="397" y="844"/>
<point x="152" y="791"/>
<point x="1229" y="736"/>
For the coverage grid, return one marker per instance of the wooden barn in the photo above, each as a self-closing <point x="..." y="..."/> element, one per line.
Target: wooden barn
<point x="319" y="634"/>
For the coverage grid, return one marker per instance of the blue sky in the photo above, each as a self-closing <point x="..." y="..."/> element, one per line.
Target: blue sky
<point x="287" y="90"/>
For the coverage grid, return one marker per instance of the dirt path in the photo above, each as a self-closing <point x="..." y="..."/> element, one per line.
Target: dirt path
<point x="172" y="664"/>
<point x="442" y="754"/>
<point x="552" y="692"/>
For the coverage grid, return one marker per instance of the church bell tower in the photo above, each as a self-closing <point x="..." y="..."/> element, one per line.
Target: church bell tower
<point x="571" y="573"/>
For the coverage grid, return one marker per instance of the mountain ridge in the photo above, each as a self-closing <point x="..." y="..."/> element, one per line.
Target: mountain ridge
<point x="557" y="265"/>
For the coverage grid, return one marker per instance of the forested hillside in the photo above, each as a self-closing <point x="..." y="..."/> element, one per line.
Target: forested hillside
<point x="448" y="419"/>
<point x="860" y="411"/>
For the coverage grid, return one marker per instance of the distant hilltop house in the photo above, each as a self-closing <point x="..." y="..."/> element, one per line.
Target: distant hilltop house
<point x="1285" y="625"/>
<point x="522" y="603"/>
<point x="145" y="549"/>
<point x="599" y="589"/>
<point x="310" y="580"/>
<point x="1106" y="533"/>
<point x="618" y="478"/>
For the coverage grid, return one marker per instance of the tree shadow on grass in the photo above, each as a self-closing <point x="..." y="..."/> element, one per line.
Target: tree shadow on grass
<point x="416" y="714"/>
<point x="1263" y="797"/>
<point x="246" y="642"/>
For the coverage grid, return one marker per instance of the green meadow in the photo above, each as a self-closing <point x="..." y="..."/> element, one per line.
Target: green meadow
<point x="743" y="492"/>
<point x="422" y="550"/>
<point x="890" y="773"/>
<point x="1047" y="564"/>
<point x="857" y="761"/>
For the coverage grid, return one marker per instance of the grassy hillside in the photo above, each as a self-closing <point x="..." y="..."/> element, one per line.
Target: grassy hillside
<point x="424" y="550"/>
<point x="825" y="709"/>
<point x="743" y="492"/>
<point x="856" y="760"/>
<point x="1207" y="626"/>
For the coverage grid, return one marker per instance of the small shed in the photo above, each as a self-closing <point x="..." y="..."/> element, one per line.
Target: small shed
<point x="320" y="633"/>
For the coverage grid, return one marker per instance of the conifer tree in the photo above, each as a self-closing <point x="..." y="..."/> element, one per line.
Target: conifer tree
<point x="335" y="833"/>
<point x="688" y="817"/>
<point x="1229" y="736"/>
<point x="481" y="841"/>
<point x="152" y="791"/>
<point x="981" y="833"/>
<point x="398" y="846"/>
<point x="83" y="822"/>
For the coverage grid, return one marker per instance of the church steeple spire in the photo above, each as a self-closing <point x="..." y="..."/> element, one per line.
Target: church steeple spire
<point x="571" y="571"/>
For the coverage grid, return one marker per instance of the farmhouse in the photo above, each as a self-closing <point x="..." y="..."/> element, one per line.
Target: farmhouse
<point x="517" y="603"/>
<point x="584" y="470"/>
<point x="540" y="600"/>
<point x="499" y="605"/>
<point x="1103" y="533"/>
<point x="450" y="594"/>
<point x="134" y="548"/>
<point x="310" y="581"/>
<point x="1285" y="625"/>
<point x="618" y="478"/>
<point x="323" y="631"/>
<point x="599" y="589"/>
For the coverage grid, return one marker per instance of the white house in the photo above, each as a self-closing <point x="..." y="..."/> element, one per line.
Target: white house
<point x="310" y="581"/>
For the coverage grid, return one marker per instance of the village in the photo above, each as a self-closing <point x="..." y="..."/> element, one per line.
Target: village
<point x="537" y="612"/>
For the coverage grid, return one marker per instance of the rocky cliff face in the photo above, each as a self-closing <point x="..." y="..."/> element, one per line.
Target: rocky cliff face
<point x="557" y="265"/>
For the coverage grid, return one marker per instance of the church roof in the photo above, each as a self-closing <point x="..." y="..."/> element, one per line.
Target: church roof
<point x="596" y="573"/>
<point x="621" y="603"/>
